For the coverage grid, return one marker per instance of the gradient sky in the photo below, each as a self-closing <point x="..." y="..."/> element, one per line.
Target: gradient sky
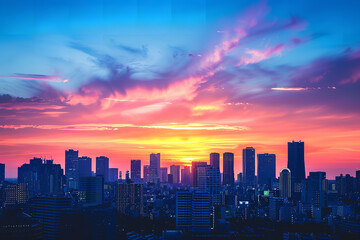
<point x="183" y="78"/>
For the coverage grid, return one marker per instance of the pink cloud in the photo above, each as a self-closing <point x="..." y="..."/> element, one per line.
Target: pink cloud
<point x="260" y="55"/>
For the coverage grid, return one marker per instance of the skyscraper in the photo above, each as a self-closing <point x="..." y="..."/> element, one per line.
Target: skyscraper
<point x="135" y="170"/>
<point x="186" y="176"/>
<point x="266" y="169"/>
<point x="91" y="190"/>
<point x="249" y="166"/>
<point x="194" y="167"/>
<point x="228" y="168"/>
<point x="163" y="174"/>
<point x="146" y="173"/>
<point x="215" y="160"/>
<point x="129" y="198"/>
<point x="285" y="183"/>
<point x="154" y="167"/>
<point x="71" y="168"/>
<point x="2" y="172"/>
<point x="209" y="180"/>
<point x="84" y="164"/>
<point x="102" y="167"/>
<point x="314" y="189"/>
<point x="41" y="176"/>
<point x="296" y="164"/>
<point x="175" y="171"/>
<point x="113" y="174"/>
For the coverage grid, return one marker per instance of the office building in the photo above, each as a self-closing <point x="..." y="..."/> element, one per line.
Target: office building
<point x="228" y="168"/>
<point x="296" y="164"/>
<point x="135" y="169"/>
<point x="129" y="199"/>
<point x="113" y="174"/>
<point x="194" y="167"/>
<point x="2" y="172"/>
<point x="84" y="164"/>
<point x="248" y="155"/>
<point x="154" y="167"/>
<point x="163" y="174"/>
<point x="215" y="160"/>
<point x="285" y="183"/>
<point x="102" y="167"/>
<point x="71" y="168"/>
<point x="91" y="190"/>
<point x="266" y="169"/>
<point x="209" y="181"/>
<point x="186" y="176"/>
<point x="146" y="173"/>
<point x="175" y="171"/>
<point x="314" y="189"/>
<point x="275" y="204"/>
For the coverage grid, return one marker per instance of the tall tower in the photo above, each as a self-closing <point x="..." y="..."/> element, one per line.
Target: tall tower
<point x="135" y="170"/>
<point x="102" y="167"/>
<point x="285" y="183"/>
<point x="228" y="168"/>
<point x="194" y="169"/>
<point x="175" y="171"/>
<point x="84" y="164"/>
<point x="249" y="166"/>
<point x="71" y="168"/>
<point x="296" y="164"/>
<point x="154" y="167"/>
<point x="215" y="160"/>
<point x="266" y="169"/>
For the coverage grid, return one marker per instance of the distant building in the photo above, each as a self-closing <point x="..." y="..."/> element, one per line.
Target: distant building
<point x="2" y="172"/>
<point x="296" y="164"/>
<point x="102" y="167"/>
<point x="146" y="173"/>
<point x="175" y="171"/>
<point x="170" y="178"/>
<point x="209" y="181"/>
<point x="84" y="164"/>
<point x="72" y="168"/>
<point x="266" y="169"/>
<point x="215" y="160"/>
<point x="248" y="155"/>
<point x="135" y="170"/>
<point x="113" y="174"/>
<point x="228" y="168"/>
<point x="41" y="176"/>
<point x="154" y="167"/>
<point x="315" y="189"/>
<point x="194" y="167"/>
<point x="129" y="198"/>
<point x="274" y="207"/>
<point x="345" y="184"/>
<point x="186" y="176"/>
<point x="163" y="174"/>
<point x="91" y="190"/>
<point x="285" y="183"/>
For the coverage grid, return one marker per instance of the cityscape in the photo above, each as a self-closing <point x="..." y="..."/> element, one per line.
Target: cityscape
<point x="181" y="202"/>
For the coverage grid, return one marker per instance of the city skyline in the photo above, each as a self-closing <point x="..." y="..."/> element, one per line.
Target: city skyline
<point x="125" y="79"/>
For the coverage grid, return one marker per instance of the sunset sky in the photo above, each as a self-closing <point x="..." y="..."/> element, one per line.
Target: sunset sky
<point x="183" y="78"/>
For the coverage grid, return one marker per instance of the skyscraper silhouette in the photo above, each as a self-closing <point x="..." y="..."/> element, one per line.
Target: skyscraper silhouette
<point x="266" y="169"/>
<point x="135" y="170"/>
<point x="71" y="168"/>
<point x="249" y="166"/>
<point x="102" y="167"/>
<point x="228" y="168"/>
<point x="2" y="172"/>
<point x="194" y="168"/>
<point x="154" y="167"/>
<point x="84" y="164"/>
<point x="285" y="183"/>
<point x="215" y="160"/>
<point x="175" y="171"/>
<point x="296" y="164"/>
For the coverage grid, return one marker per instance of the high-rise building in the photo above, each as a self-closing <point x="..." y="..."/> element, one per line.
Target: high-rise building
<point x="215" y="160"/>
<point x="186" y="176"/>
<point x="285" y="183"/>
<point x="266" y="169"/>
<point x="146" y="173"/>
<point x="71" y="168"/>
<point x="296" y="164"/>
<point x="84" y="164"/>
<point x="129" y="198"/>
<point x="358" y="181"/>
<point x="314" y="189"/>
<point x="102" y="167"/>
<point x="183" y="210"/>
<point x="49" y="210"/>
<point x="275" y="204"/>
<point x="228" y="168"/>
<point x="345" y="184"/>
<point x="154" y="167"/>
<point x="92" y="190"/>
<point x="175" y="171"/>
<point x="170" y="178"/>
<point x="209" y="180"/>
<point x="41" y="176"/>
<point x="163" y="174"/>
<point x="2" y="172"/>
<point x="249" y="166"/>
<point x="194" y="168"/>
<point x="135" y="170"/>
<point x="113" y="174"/>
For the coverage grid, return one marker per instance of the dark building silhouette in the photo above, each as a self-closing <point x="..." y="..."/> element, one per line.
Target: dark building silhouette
<point x="16" y="194"/>
<point x="266" y="169"/>
<point x="358" y="181"/>
<point x="175" y="171"/>
<point x="170" y="178"/>
<point x="91" y="190"/>
<point x="146" y="173"/>
<point x="194" y="166"/>
<point x="249" y="166"/>
<point x="296" y="164"/>
<point x="84" y="164"/>
<point x="102" y="167"/>
<point x="215" y="160"/>
<point x="315" y="189"/>
<point x="2" y="172"/>
<point x="135" y="170"/>
<point x="344" y="184"/>
<point x="154" y="167"/>
<point x="186" y="176"/>
<point x="228" y="168"/>
<point x="41" y="176"/>
<point x="113" y="174"/>
<point x="285" y="183"/>
<point x="163" y="174"/>
<point x="209" y="181"/>
<point x="129" y="198"/>
<point x="72" y="168"/>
